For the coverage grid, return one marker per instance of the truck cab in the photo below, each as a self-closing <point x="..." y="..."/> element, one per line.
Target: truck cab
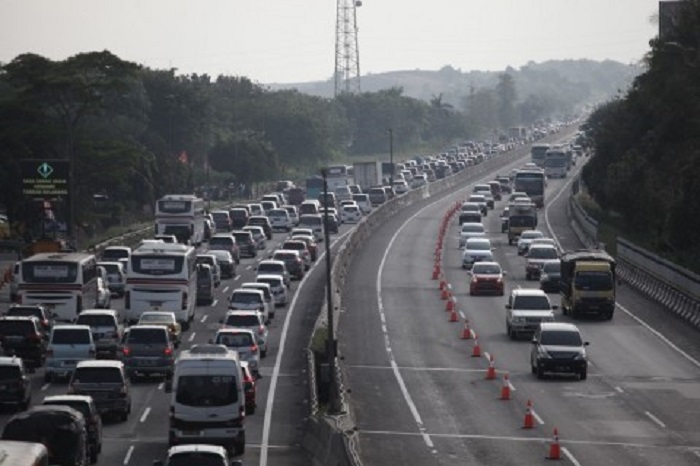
<point x="588" y="283"/>
<point x="521" y="217"/>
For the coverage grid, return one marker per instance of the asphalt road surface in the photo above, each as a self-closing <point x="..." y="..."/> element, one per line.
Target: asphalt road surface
<point x="273" y="435"/>
<point x="419" y="397"/>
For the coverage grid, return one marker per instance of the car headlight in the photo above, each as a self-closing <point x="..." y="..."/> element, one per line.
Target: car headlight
<point x="543" y="353"/>
<point x="518" y="320"/>
<point x="580" y="357"/>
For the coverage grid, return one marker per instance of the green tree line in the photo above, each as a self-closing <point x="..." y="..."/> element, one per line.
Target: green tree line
<point x="646" y="168"/>
<point x="135" y="133"/>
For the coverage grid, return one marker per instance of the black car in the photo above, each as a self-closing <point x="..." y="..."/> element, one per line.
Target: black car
<point x="261" y="221"/>
<point x="42" y="313"/>
<point x="246" y="243"/>
<point x="15" y="383"/>
<point x="61" y="429"/>
<point x="332" y="222"/>
<point x="550" y="276"/>
<point x="23" y="337"/>
<point x="292" y="260"/>
<point x="558" y="347"/>
<point x="239" y="217"/>
<point x="93" y="420"/>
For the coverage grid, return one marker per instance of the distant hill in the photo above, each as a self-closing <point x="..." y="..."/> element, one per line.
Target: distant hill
<point x="581" y="81"/>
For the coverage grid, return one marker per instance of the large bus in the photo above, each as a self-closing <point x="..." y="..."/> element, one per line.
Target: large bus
<point x="531" y="182"/>
<point x="161" y="277"/>
<point x="538" y="153"/>
<point x="556" y="163"/>
<point x="66" y="283"/>
<point x="314" y="187"/>
<point x="181" y="215"/>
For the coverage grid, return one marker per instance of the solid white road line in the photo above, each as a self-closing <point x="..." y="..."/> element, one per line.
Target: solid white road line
<point x="269" y="405"/>
<point x="145" y="414"/>
<point x="537" y="417"/>
<point x="571" y="458"/>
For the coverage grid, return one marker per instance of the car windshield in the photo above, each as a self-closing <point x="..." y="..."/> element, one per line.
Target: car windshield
<point x="24" y="312"/>
<point x="80" y="406"/>
<point x="16" y="327"/>
<point x="70" y="336"/>
<point x="234" y="340"/>
<point x="531" y="235"/>
<point x="552" y="267"/>
<point x="270" y="268"/>
<point x="9" y="372"/>
<point x="96" y="320"/>
<point x="479" y="245"/>
<point x="206" y="390"/>
<point x="97" y="375"/>
<point x="246" y="320"/>
<point x="147" y="335"/>
<point x="115" y="254"/>
<point x="593" y="281"/>
<point x="533" y="303"/>
<point x="560" y="338"/>
<point x="200" y="458"/>
<point x="486" y="269"/>
<point x="110" y="268"/>
<point x="472" y="228"/>
<point x="542" y="253"/>
<point x="156" y="319"/>
<point x="219" y="241"/>
<point x="246" y="298"/>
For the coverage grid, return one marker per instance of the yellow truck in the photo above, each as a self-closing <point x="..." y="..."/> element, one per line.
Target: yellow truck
<point x="588" y="283"/>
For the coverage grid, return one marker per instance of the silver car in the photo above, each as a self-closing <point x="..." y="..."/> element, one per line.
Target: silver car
<point x="244" y="342"/>
<point x="249" y="320"/>
<point x="68" y="345"/>
<point x="277" y="286"/>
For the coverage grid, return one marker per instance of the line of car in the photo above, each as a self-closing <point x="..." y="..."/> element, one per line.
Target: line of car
<point x="557" y="347"/>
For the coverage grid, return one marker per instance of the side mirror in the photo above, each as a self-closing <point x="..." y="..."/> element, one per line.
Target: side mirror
<point x="555" y="307"/>
<point x="504" y="273"/>
<point x="54" y="315"/>
<point x="508" y="306"/>
<point x="221" y="321"/>
<point x="534" y="341"/>
<point x="158" y="463"/>
<point x="168" y="387"/>
<point x="210" y="341"/>
<point x="585" y="343"/>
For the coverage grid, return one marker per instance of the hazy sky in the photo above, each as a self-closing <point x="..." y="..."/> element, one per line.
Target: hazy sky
<point x="284" y="41"/>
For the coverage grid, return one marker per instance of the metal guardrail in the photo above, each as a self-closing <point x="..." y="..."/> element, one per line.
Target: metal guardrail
<point x="673" y="287"/>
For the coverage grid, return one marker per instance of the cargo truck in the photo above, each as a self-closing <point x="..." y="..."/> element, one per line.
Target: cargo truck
<point x="588" y="283"/>
<point x="521" y="217"/>
<point x="367" y="174"/>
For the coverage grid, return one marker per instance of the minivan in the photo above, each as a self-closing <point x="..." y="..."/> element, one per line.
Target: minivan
<point x="247" y="299"/>
<point x="68" y="345"/>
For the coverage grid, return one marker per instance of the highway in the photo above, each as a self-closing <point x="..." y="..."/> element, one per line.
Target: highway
<point x="273" y="435"/>
<point x="419" y="397"/>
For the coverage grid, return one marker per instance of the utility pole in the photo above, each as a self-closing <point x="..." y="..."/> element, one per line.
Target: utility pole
<point x="347" y="50"/>
<point x="331" y="350"/>
<point x="390" y="131"/>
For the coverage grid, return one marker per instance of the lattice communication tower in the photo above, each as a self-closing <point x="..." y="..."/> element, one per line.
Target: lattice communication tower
<point x="347" y="52"/>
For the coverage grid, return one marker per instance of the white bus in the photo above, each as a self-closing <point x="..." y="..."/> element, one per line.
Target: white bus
<point x="338" y="175"/>
<point x="161" y="277"/>
<point x="181" y="215"/>
<point x="66" y="283"/>
<point x="531" y="182"/>
<point x="556" y="163"/>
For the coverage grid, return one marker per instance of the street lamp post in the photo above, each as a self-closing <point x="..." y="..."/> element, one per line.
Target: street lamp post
<point x="391" y="157"/>
<point x="330" y="335"/>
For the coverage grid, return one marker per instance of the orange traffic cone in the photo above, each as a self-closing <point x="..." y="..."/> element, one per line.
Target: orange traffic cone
<point x="436" y="271"/>
<point x="476" y="350"/>
<point x="505" y="388"/>
<point x="445" y="292"/>
<point x="491" y="371"/>
<point x="466" y="331"/>
<point x="529" y="422"/>
<point x="554" y="448"/>
<point x="443" y="285"/>
<point x="453" y="315"/>
<point x="450" y="304"/>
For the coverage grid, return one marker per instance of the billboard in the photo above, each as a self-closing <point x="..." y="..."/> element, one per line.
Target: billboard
<point x="45" y="179"/>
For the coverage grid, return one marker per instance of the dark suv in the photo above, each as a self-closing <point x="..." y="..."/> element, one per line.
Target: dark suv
<point x="42" y="313"/>
<point x="16" y="385"/>
<point x="558" y="347"/>
<point x="246" y="243"/>
<point x="23" y="337"/>
<point x="106" y="383"/>
<point x="85" y="405"/>
<point x="239" y="217"/>
<point x="148" y="350"/>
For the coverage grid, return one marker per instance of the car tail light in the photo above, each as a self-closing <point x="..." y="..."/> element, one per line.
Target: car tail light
<point x="45" y="323"/>
<point x="122" y="392"/>
<point x="168" y="351"/>
<point x="34" y="337"/>
<point x="71" y="389"/>
<point x="184" y="301"/>
<point x="126" y="350"/>
<point x="254" y="349"/>
<point x="127" y="300"/>
<point x="261" y="330"/>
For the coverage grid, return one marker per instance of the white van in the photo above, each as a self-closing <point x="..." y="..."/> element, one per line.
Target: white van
<point x="207" y="392"/>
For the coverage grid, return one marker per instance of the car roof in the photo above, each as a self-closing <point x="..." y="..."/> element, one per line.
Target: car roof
<point x="10" y="361"/>
<point x="270" y="276"/>
<point x="271" y="261"/>
<point x="528" y="292"/>
<point x="158" y="313"/>
<point x="99" y="312"/>
<point x="100" y="363"/>
<point x="199" y="447"/>
<point x="71" y="327"/>
<point x="559" y="326"/>
<point x="255" y="285"/>
<point x="235" y="330"/>
<point x="240" y="312"/>
<point x="489" y="263"/>
<point x="83" y="398"/>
